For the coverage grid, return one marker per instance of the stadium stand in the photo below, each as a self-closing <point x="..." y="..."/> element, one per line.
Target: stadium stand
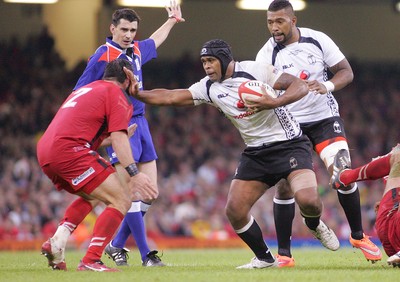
<point x="197" y="155"/>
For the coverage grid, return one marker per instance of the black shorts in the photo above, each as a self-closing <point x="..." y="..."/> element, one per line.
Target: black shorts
<point x="323" y="130"/>
<point x="271" y="163"/>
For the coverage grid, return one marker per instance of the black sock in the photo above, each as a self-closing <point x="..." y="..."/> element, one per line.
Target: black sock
<point x="254" y="239"/>
<point x="312" y="222"/>
<point x="352" y="208"/>
<point x="284" y="212"/>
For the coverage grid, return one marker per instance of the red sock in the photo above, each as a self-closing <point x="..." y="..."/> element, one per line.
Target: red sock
<point x="76" y="213"/>
<point x="376" y="169"/>
<point x="106" y="225"/>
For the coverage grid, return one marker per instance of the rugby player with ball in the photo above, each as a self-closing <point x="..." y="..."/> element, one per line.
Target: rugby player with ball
<point x="276" y="148"/>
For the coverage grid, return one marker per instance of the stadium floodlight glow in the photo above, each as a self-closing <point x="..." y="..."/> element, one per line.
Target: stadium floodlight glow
<point x="146" y="3"/>
<point x="298" y="5"/>
<point x="396" y="6"/>
<point x="32" y="1"/>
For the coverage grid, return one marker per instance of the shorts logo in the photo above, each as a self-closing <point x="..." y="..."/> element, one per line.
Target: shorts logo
<point x="113" y="156"/>
<point x="336" y="127"/>
<point x="293" y="162"/>
<point x="83" y="176"/>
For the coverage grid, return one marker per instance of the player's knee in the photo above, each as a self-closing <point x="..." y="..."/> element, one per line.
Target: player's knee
<point x="122" y="202"/>
<point x="309" y="203"/>
<point x="234" y="212"/>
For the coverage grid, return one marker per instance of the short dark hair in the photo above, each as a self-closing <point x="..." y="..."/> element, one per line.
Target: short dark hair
<point x="277" y="5"/>
<point x="126" y="14"/>
<point x="115" y="70"/>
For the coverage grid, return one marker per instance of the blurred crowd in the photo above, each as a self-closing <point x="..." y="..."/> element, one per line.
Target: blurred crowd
<point x="197" y="147"/>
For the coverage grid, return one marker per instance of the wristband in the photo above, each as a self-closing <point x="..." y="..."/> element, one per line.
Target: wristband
<point x="132" y="169"/>
<point x="177" y="19"/>
<point x="330" y="87"/>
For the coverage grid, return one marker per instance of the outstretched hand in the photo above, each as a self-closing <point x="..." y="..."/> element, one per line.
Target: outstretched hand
<point x="133" y="88"/>
<point x="174" y="11"/>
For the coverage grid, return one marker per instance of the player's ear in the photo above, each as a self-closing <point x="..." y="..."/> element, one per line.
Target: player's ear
<point x="294" y="20"/>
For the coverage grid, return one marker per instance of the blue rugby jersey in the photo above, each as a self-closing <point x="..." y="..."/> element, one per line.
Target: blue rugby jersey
<point x="142" y="52"/>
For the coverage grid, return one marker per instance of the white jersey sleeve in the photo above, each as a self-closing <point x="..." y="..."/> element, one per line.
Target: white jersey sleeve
<point x="199" y="92"/>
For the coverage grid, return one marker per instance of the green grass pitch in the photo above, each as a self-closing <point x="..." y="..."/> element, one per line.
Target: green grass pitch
<point x="208" y="265"/>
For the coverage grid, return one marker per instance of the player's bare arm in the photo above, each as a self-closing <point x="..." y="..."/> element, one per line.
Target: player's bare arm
<point x="165" y="97"/>
<point x="140" y="184"/>
<point x="343" y="75"/>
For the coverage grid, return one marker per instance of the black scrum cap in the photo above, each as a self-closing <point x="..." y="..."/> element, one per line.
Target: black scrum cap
<point x="219" y="49"/>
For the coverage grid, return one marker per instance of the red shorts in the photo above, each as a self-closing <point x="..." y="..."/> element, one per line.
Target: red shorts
<point x="388" y="221"/>
<point x="82" y="174"/>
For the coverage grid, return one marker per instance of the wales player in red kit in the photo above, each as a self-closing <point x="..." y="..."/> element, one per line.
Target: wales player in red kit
<point x="388" y="213"/>
<point x="67" y="154"/>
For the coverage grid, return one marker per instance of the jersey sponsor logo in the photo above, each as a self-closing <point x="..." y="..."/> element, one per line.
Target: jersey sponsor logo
<point x="240" y="105"/>
<point x="336" y="127"/>
<point x="83" y="176"/>
<point x="304" y="74"/>
<point x="291" y="65"/>
<point x="246" y="114"/>
<point x="223" y="95"/>
<point x="293" y="162"/>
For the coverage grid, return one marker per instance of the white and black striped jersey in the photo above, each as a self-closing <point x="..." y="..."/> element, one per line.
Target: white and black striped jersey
<point x="256" y="129"/>
<point x="307" y="59"/>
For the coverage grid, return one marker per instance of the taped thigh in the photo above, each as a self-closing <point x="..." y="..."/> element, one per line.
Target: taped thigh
<point x="303" y="180"/>
<point x="328" y="153"/>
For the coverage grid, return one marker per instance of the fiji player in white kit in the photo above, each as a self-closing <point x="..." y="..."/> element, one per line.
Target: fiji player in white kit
<point x="276" y="148"/>
<point x="308" y="54"/>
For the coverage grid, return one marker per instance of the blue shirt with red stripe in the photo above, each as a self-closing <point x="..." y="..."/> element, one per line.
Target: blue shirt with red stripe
<point x="140" y="53"/>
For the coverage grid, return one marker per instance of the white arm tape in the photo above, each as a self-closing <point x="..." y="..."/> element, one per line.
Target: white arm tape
<point x="330" y="87"/>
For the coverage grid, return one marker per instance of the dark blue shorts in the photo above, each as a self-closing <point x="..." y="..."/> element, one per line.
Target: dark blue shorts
<point x="141" y="143"/>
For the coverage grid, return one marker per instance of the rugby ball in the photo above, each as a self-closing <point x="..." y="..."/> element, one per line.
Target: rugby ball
<point x="253" y="88"/>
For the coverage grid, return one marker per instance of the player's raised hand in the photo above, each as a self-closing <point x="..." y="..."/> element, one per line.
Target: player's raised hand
<point x="174" y="11"/>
